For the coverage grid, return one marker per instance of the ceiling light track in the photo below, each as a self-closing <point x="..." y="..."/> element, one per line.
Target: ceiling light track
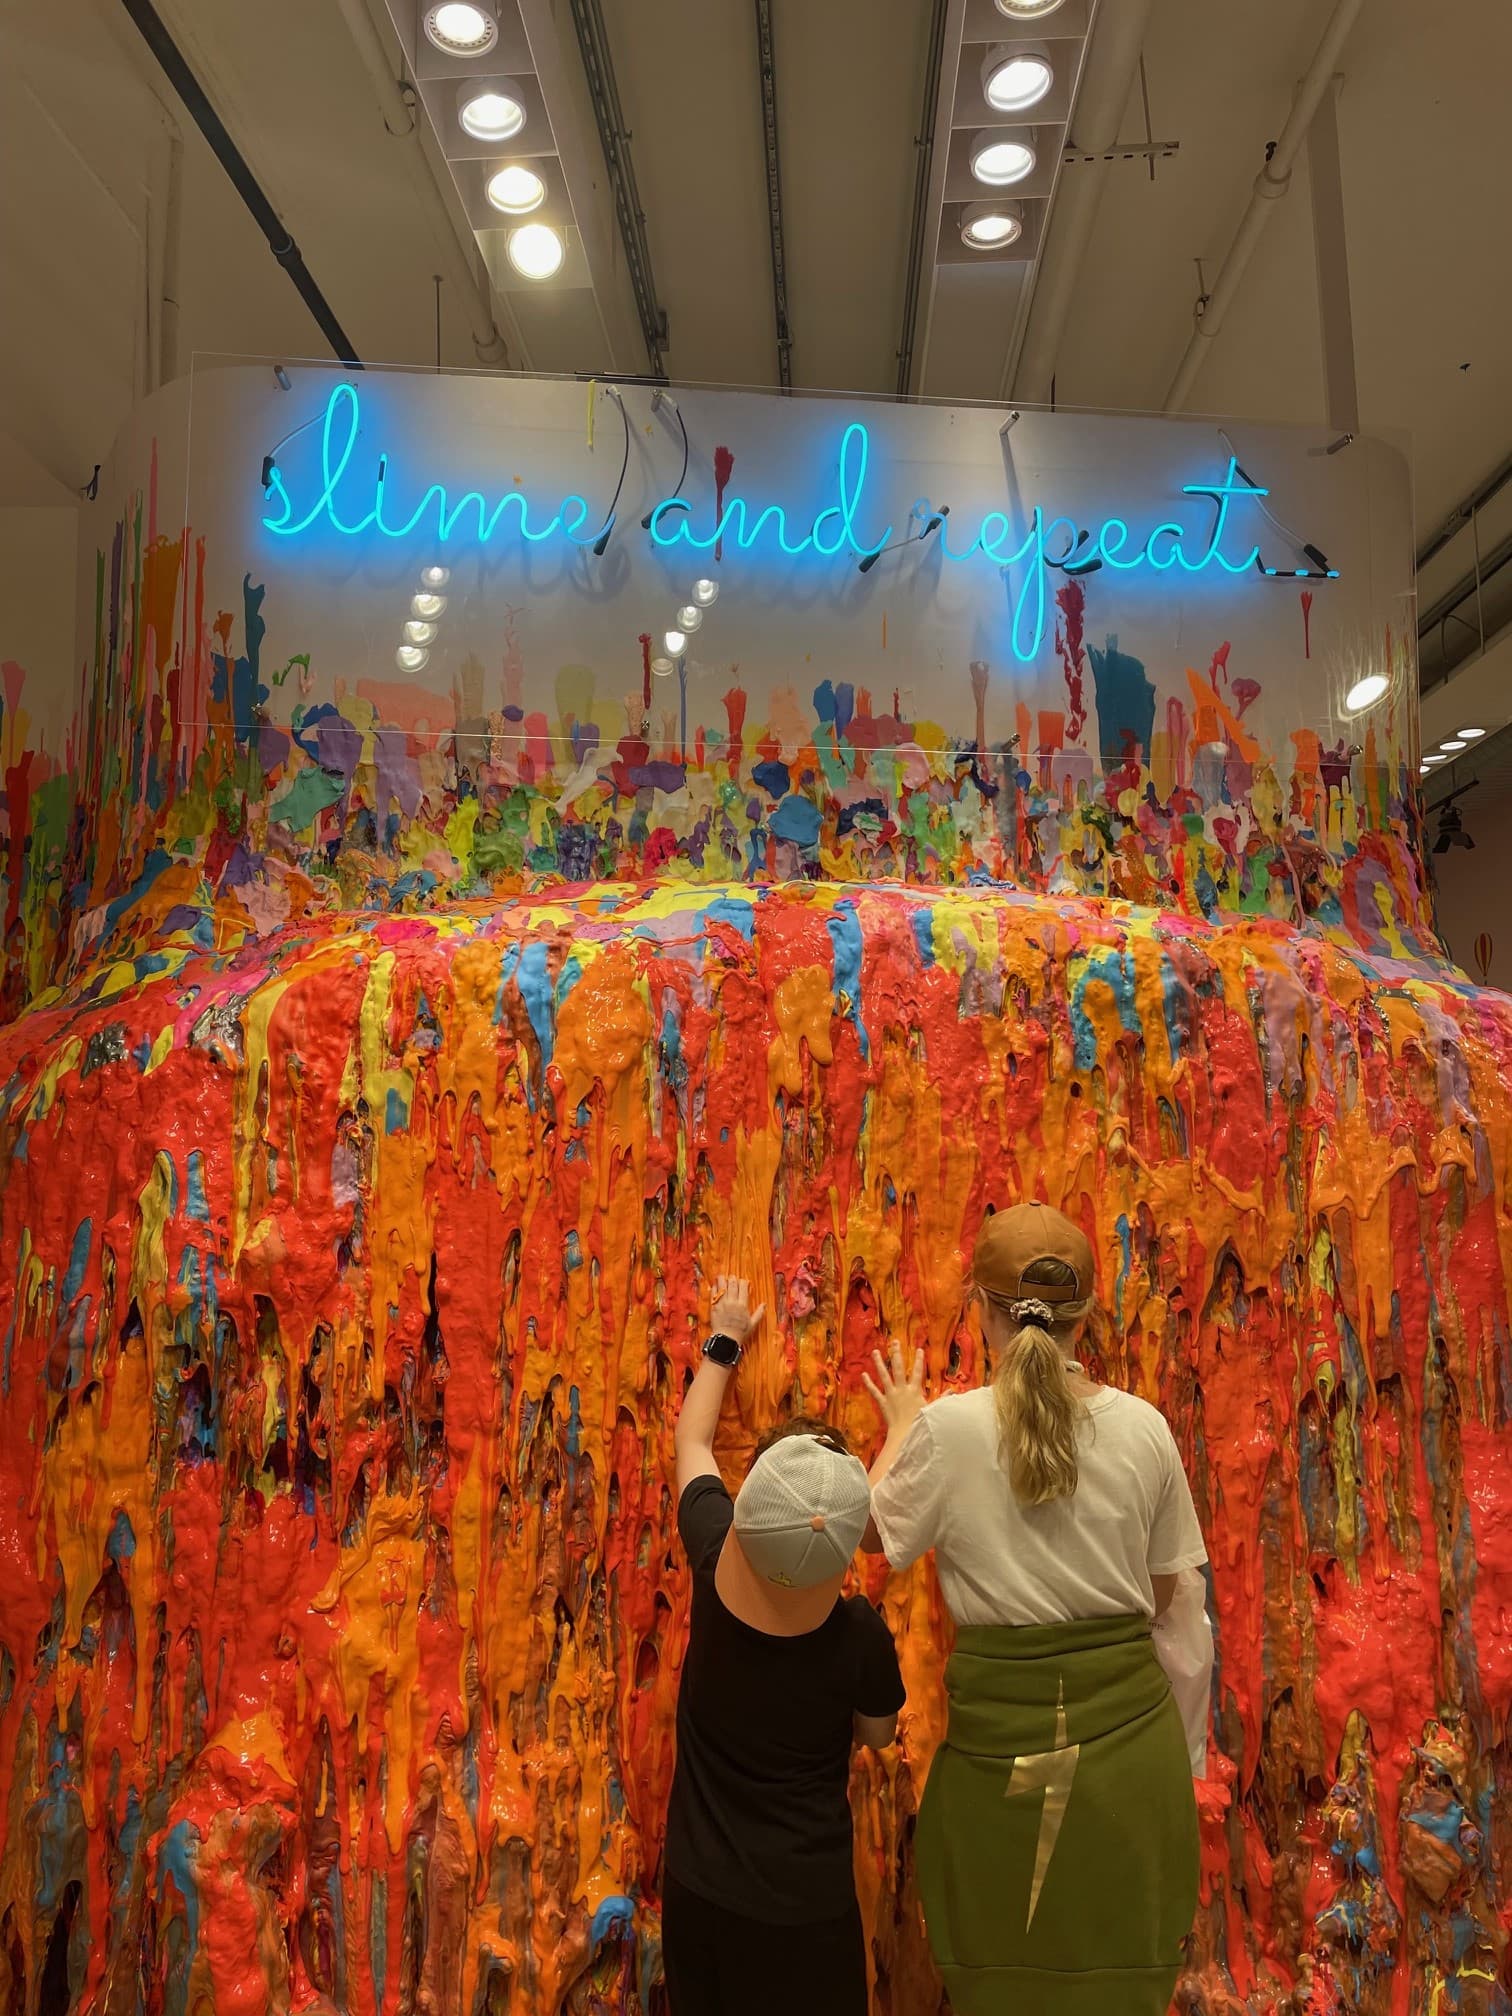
<point x="175" y="68"/>
<point x="768" y="72"/>
<point x="924" y="147"/>
<point x="598" y="65"/>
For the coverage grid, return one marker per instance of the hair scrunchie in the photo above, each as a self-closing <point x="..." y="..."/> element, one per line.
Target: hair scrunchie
<point x="1031" y="1311"/>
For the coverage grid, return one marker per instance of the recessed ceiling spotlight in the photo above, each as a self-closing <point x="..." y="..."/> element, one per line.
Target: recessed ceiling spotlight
<point x="1000" y="161"/>
<point x="434" y="577"/>
<point x="491" y="115"/>
<point x="1470" y="734"/>
<point x="416" y="632"/>
<point x="1365" y="692"/>
<point x="461" y="28"/>
<point x="689" y="617"/>
<point x="1027" y="10"/>
<point x="1452" y="747"/>
<point x="675" y="642"/>
<point x="1431" y="760"/>
<point x="516" y="191"/>
<point x="427" y="606"/>
<point x="1015" y="79"/>
<point x="662" y="667"/>
<point x="988" y="227"/>
<point x="535" y="251"/>
<point x="410" y="658"/>
<point x="705" y="593"/>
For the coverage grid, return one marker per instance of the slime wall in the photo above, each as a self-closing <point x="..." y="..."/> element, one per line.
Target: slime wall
<point x="390" y="1068"/>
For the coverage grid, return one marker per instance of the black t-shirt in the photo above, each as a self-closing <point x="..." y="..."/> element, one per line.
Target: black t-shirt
<point x="760" y="1817"/>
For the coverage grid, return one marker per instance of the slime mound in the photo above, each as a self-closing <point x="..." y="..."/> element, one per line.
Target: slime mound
<point x="347" y="1287"/>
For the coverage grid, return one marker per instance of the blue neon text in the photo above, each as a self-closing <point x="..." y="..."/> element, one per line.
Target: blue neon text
<point x="842" y="527"/>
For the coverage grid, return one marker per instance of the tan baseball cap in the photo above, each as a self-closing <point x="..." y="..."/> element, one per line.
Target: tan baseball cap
<point x="1011" y="1241"/>
<point x="801" y="1512"/>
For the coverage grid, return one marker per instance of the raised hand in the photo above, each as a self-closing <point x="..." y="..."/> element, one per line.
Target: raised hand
<point x="898" y="1394"/>
<point x="732" y="1314"/>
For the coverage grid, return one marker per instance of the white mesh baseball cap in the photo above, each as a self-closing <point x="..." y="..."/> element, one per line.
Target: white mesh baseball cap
<point x="802" y="1511"/>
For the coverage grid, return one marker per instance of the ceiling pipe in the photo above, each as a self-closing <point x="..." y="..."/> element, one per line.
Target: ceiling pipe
<point x="1108" y="75"/>
<point x="401" y="118"/>
<point x="1271" y="185"/>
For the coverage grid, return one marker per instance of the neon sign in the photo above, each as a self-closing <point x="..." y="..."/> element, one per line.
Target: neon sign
<point x="842" y="527"/>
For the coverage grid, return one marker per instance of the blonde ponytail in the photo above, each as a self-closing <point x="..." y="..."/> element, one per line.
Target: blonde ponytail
<point x="1037" y="1412"/>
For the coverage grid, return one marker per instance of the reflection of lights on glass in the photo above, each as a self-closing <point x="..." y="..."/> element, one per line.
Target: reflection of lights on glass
<point x="410" y="658"/>
<point x="689" y="617"/>
<point x="705" y="593"/>
<point x="675" y="642"/>
<point x="435" y="577"/>
<point x="419" y="633"/>
<point x="661" y="667"/>
<point x="1365" y="692"/>
<point x="428" y="606"/>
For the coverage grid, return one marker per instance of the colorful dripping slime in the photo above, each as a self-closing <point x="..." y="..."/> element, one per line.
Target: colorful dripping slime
<point x="349" y="1281"/>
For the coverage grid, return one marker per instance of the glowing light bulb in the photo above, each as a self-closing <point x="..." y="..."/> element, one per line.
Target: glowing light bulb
<point x="460" y="28"/>
<point x="516" y="191"/>
<point x="689" y="617"/>
<point x="988" y="227"/>
<point x="410" y="658"/>
<point x="999" y="162"/>
<point x="491" y="115"/>
<point x="434" y="577"/>
<point x="1015" y="79"/>
<point x="419" y="633"/>
<point x="1452" y="747"/>
<point x="675" y="642"/>
<point x="428" y="606"/>
<point x="705" y="593"/>
<point x="1470" y="734"/>
<point x="535" y="251"/>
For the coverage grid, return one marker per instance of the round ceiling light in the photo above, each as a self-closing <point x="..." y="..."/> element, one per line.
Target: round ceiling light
<point x="1015" y="79"/>
<point x="416" y="632"/>
<point x="689" y="617"/>
<point x="988" y="227"/>
<point x="1470" y="734"/>
<point x="1365" y="692"/>
<point x="1027" y="10"/>
<point x="491" y="116"/>
<point x="1432" y="762"/>
<point x="1000" y="161"/>
<point x="705" y="593"/>
<point x="516" y="191"/>
<point x="460" y="28"/>
<point x="675" y="642"/>
<point x="662" y="667"/>
<point x="410" y="658"/>
<point x="535" y="251"/>
<point x="427" y="606"/>
<point x="434" y="577"/>
<point x="1452" y="747"/>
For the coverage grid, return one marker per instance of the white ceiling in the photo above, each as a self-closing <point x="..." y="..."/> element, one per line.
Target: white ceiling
<point x="1427" y="162"/>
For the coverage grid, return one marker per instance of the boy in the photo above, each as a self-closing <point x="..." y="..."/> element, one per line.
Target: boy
<point x="780" y="1678"/>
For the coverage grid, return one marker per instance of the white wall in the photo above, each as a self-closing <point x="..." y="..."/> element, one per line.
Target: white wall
<point x="38" y="564"/>
<point x="1474" y="890"/>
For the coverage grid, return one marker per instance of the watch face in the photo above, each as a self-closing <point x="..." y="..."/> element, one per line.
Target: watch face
<point x="723" y="1350"/>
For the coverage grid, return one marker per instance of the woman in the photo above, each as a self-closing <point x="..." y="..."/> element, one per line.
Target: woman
<point x="1057" y="1840"/>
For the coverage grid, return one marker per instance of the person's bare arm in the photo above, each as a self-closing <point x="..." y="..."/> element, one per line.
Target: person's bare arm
<point x="877" y="1731"/>
<point x="732" y="1316"/>
<point x="1165" y="1592"/>
<point x="899" y="1398"/>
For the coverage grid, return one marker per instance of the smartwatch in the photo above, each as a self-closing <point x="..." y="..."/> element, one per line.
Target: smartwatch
<point x="723" y="1350"/>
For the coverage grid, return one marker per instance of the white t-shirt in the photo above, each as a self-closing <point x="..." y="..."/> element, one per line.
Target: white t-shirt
<point x="1000" y="1562"/>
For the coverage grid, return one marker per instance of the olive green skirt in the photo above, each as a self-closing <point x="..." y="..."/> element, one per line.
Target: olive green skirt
<point x="1057" y="1839"/>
